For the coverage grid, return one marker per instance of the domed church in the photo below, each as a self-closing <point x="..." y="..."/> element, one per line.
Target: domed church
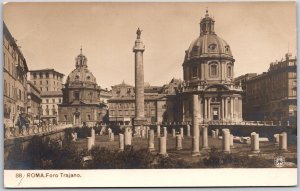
<point x="208" y="71"/>
<point x="81" y="96"/>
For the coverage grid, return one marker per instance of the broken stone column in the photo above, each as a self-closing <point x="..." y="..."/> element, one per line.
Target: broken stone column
<point x="195" y="122"/>
<point x="276" y="139"/>
<point x="147" y="131"/>
<point x="217" y="132"/>
<point x="178" y="142"/>
<point x="92" y="132"/>
<point x="181" y="132"/>
<point x="188" y="130"/>
<point x="112" y="137"/>
<point x="231" y="141"/>
<point x="163" y="145"/>
<point x="283" y="141"/>
<point x="90" y="143"/>
<point x="127" y="137"/>
<point x="173" y="132"/>
<point x="226" y="140"/>
<point x="151" y="140"/>
<point x="204" y="138"/>
<point x="143" y="134"/>
<point x="158" y="130"/>
<point x="213" y="134"/>
<point x="121" y="142"/>
<point x="165" y="132"/>
<point x="254" y="142"/>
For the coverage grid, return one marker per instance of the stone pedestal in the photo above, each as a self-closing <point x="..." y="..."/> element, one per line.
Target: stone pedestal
<point x="204" y="138"/>
<point x="163" y="145"/>
<point x="283" y="141"/>
<point x="178" y="142"/>
<point x="121" y="142"/>
<point x="226" y="140"/>
<point x="127" y="137"/>
<point x="151" y="140"/>
<point x="188" y="130"/>
<point x="276" y="139"/>
<point x="195" y="122"/>
<point x="90" y="143"/>
<point x="92" y="132"/>
<point x="173" y="132"/>
<point x="255" y="143"/>
<point x="158" y="131"/>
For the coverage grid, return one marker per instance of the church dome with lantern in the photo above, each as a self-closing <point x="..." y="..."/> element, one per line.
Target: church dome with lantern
<point x="208" y="44"/>
<point x="209" y="58"/>
<point x="81" y="74"/>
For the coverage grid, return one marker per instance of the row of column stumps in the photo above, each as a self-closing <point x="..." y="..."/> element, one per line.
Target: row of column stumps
<point x="227" y="140"/>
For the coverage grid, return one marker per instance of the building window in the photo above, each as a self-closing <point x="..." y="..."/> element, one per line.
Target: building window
<point x="89" y="117"/>
<point x="213" y="70"/>
<point x="41" y="75"/>
<point x="47" y="100"/>
<point x="47" y="75"/>
<point x="229" y="71"/>
<point x="212" y="47"/>
<point x="66" y="117"/>
<point x="76" y="95"/>
<point x="53" y="100"/>
<point x="34" y="76"/>
<point x="41" y="89"/>
<point x="112" y="112"/>
<point x="227" y="49"/>
<point x="194" y="71"/>
<point x="47" y="82"/>
<point x="59" y="100"/>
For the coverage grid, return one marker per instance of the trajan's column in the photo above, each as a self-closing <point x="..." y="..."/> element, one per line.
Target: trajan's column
<point x="138" y="50"/>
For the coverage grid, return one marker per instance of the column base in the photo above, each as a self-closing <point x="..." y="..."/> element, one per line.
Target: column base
<point x="226" y="152"/>
<point x="151" y="149"/>
<point x="195" y="153"/>
<point x="205" y="148"/>
<point x="283" y="150"/>
<point x="164" y="154"/>
<point x="255" y="152"/>
<point x="179" y="148"/>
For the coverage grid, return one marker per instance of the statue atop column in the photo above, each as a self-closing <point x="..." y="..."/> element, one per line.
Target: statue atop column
<point x="138" y="33"/>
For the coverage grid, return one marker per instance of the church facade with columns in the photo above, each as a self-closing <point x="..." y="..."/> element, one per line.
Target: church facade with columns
<point x="208" y="72"/>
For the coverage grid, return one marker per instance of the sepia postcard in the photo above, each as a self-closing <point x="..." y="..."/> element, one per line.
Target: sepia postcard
<point x="103" y="94"/>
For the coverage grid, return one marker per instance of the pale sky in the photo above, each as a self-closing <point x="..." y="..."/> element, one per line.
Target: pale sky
<point x="50" y="35"/>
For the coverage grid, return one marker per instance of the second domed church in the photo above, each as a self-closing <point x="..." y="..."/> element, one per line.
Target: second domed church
<point x="82" y="101"/>
<point x="208" y="72"/>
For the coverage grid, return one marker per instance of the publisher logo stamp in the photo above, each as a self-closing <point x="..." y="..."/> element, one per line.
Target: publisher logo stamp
<point x="279" y="161"/>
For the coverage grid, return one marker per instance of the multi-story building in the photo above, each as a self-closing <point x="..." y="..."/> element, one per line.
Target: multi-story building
<point x="83" y="100"/>
<point x="241" y="81"/>
<point x="15" y="79"/>
<point x="34" y="101"/>
<point x="208" y="72"/>
<point x="272" y="95"/>
<point x="158" y="105"/>
<point x="50" y="83"/>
